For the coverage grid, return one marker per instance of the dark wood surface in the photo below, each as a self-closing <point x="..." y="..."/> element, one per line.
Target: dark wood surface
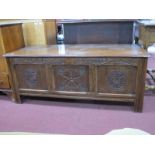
<point x="83" y="50"/>
<point x="99" y="72"/>
<point x="98" y="32"/>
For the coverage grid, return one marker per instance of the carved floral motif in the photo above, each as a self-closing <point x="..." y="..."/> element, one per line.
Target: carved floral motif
<point x="71" y="78"/>
<point x="117" y="80"/>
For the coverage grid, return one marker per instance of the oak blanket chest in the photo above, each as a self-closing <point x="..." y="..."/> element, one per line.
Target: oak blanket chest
<point x="88" y="71"/>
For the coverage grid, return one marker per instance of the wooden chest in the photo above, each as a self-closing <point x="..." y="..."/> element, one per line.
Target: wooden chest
<point x="100" y="72"/>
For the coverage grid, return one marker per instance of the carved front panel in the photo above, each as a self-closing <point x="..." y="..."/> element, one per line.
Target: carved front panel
<point x="71" y="78"/>
<point x="31" y="77"/>
<point x="116" y="79"/>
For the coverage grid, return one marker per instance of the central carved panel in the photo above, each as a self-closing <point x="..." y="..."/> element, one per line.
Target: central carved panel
<point x="71" y="78"/>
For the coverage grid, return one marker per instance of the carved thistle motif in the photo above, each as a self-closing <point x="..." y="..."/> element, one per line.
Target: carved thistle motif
<point x="31" y="77"/>
<point x="117" y="80"/>
<point x="71" y="78"/>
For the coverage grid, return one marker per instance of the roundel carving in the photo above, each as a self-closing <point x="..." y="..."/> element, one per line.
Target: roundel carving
<point x="117" y="80"/>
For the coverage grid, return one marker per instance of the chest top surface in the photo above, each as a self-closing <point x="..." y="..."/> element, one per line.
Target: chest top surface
<point x="80" y="50"/>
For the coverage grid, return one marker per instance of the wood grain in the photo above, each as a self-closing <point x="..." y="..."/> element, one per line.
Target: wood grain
<point x="50" y="31"/>
<point x="34" y="33"/>
<point x="11" y="38"/>
<point x="39" y="32"/>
